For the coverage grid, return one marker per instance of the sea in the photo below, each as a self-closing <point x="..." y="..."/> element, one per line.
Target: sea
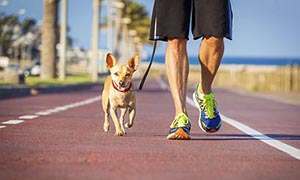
<point x="242" y="60"/>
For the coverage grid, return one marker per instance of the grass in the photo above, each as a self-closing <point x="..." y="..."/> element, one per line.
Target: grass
<point x="70" y="80"/>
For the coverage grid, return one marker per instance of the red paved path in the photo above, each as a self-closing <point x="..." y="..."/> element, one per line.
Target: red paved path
<point x="71" y="144"/>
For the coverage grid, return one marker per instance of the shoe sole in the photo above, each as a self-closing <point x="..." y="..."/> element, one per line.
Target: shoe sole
<point x="179" y="134"/>
<point x="199" y="120"/>
<point x="212" y="130"/>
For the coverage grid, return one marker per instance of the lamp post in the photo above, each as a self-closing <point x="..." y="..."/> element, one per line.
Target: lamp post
<point x="95" y="38"/>
<point x="118" y="6"/>
<point x="63" y="39"/>
<point x="132" y="35"/>
<point x="109" y="26"/>
<point x="125" y="38"/>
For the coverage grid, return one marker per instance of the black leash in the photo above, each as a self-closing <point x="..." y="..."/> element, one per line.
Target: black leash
<point x="149" y="66"/>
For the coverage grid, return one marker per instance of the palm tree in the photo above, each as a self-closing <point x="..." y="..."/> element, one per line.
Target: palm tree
<point x="49" y="38"/>
<point x="8" y="26"/>
<point x="140" y="22"/>
<point x="18" y="36"/>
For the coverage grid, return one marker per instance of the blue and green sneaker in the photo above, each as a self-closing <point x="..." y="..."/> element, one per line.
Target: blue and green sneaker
<point x="209" y="118"/>
<point x="180" y="128"/>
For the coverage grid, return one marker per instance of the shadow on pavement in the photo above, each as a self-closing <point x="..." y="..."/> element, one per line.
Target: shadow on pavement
<point x="220" y="137"/>
<point x="225" y="137"/>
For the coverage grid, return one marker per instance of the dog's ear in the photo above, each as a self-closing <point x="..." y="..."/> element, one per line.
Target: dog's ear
<point x="110" y="60"/>
<point x="133" y="62"/>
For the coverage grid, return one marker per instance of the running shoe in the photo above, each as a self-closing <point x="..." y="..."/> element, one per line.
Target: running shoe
<point x="180" y="128"/>
<point x="209" y="118"/>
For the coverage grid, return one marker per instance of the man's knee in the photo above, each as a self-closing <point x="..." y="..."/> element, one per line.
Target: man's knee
<point x="214" y="42"/>
<point x="177" y="44"/>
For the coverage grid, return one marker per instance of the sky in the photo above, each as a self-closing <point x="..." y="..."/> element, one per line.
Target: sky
<point x="262" y="28"/>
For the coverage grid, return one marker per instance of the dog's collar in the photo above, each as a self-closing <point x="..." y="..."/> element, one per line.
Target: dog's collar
<point x="119" y="89"/>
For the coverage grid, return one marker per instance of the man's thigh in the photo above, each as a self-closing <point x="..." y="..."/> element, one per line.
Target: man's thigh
<point x="170" y="19"/>
<point x="212" y="18"/>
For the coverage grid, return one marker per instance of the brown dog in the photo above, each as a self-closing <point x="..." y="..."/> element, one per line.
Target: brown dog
<point x="117" y="94"/>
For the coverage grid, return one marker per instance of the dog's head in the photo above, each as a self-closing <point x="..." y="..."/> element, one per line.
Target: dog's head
<point x="121" y="74"/>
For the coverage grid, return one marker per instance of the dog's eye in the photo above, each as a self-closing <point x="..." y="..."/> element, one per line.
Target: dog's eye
<point x="116" y="74"/>
<point x="127" y="75"/>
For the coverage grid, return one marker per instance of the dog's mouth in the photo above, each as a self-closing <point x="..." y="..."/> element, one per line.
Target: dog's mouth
<point x="123" y="84"/>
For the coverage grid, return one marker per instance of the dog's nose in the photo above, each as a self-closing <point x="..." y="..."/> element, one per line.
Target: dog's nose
<point x="121" y="83"/>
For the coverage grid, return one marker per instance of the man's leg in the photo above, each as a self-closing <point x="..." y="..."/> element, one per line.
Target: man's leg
<point x="172" y="19"/>
<point x="177" y="72"/>
<point x="211" y="53"/>
<point x="212" y="19"/>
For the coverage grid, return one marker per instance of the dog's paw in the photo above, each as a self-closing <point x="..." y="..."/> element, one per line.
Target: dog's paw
<point x="123" y="129"/>
<point x="119" y="133"/>
<point x="106" y="128"/>
<point x="127" y="125"/>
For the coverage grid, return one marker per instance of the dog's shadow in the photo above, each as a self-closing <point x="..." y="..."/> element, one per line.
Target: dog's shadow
<point x="232" y="137"/>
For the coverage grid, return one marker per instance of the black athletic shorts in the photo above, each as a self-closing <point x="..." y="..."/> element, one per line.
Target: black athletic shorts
<point x="171" y="19"/>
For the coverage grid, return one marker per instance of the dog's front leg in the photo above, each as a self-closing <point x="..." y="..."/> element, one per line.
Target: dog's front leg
<point x="113" y="114"/>
<point x="122" y="115"/>
<point x="131" y="113"/>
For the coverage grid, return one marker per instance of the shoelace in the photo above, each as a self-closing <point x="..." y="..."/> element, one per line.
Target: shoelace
<point x="209" y="104"/>
<point x="180" y="120"/>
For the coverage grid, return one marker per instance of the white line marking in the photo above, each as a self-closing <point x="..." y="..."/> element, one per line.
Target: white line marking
<point x="290" y="150"/>
<point x="28" y="117"/>
<point x="15" y="121"/>
<point x="68" y="106"/>
<point x="53" y="110"/>
<point x="42" y="113"/>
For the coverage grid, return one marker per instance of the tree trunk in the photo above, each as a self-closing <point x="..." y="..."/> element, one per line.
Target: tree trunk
<point x="49" y="38"/>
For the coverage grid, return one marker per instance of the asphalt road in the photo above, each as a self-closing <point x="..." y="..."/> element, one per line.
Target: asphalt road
<point x="59" y="136"/>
